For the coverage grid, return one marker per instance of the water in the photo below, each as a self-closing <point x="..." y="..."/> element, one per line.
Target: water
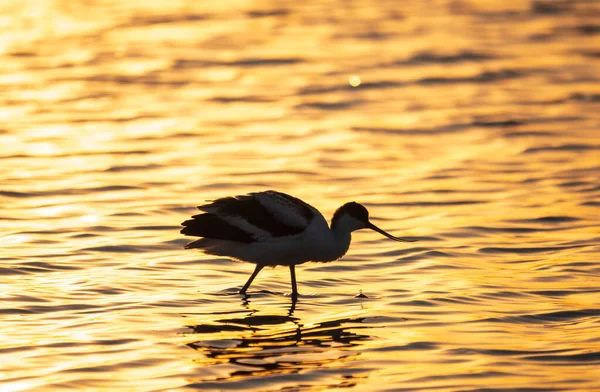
<point x="475" y="128"/>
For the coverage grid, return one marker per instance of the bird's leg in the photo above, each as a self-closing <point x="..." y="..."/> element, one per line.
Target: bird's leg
<point x="249" y="282"/>
<point x="293" y="274"/>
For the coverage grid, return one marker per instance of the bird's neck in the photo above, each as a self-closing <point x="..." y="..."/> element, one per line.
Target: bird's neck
<point x="342" y="240"/>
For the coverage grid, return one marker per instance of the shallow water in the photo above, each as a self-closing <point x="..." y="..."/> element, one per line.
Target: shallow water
<point x="475" y="129"/>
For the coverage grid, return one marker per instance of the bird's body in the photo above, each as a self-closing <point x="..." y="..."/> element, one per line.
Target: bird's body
<point x="277" y="230"/>
<point x="271" y="228"/>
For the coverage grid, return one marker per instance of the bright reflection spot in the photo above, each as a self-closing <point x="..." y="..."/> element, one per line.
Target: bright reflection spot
<point x="15" y="239"/>
<point x="43" y="148"/>
<point x="53" y="210"/>
<point x="7" y="113"/>
<point x="354" y="81"/>
<point x="89" y="218"/>
<point x="21" y="386"/>
<point x="50" y="131"/>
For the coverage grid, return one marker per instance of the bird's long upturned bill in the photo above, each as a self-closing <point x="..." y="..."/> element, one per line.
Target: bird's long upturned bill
<point x="388" y="235"/>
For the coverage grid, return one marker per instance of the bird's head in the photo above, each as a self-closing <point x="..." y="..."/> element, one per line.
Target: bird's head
<point x="354" y="216"/>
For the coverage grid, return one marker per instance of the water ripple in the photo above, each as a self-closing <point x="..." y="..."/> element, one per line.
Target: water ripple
<point x="474" y="130"/>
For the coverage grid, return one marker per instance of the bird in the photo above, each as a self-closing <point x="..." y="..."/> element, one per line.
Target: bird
<point x="271" y="228"/>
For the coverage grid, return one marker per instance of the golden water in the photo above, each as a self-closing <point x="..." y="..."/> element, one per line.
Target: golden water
<point x="473" y="126"/>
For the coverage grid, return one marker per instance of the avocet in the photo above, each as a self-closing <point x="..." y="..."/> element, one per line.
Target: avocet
<point x="272" y="228"/>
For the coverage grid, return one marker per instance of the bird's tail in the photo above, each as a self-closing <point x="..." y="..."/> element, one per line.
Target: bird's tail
<point x="212" y="226"/>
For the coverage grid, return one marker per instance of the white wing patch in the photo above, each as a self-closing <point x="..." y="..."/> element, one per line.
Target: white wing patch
<point x="241" y="223"/>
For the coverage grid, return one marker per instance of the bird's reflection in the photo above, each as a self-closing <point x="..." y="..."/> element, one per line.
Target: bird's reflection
<point x="269" y="344"/>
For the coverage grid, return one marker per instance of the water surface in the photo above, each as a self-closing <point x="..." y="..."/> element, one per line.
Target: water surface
<point x="475" y="129"/>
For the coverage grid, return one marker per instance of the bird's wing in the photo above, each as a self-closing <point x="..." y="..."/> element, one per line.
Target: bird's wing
<point x="264" y="215"/>
<point x="286" y="209"/>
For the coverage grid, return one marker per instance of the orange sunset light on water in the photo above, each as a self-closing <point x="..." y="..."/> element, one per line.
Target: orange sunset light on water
<point x="469" y="126"/>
